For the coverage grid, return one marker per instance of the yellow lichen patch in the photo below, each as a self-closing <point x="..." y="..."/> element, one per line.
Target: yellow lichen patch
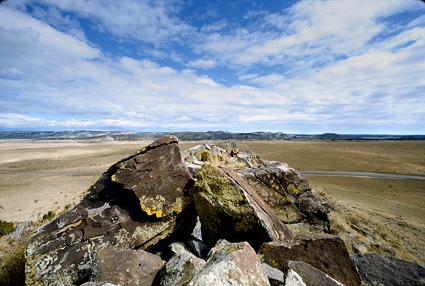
<point x="296" y="192"/>
<point x="114" y="178"/>
<point x="153" y="205"/>
<point x="151" y="210"/>
<point x="177" y="207"/>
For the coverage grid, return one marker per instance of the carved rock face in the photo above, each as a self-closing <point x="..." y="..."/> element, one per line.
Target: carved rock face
<point x="137" y="203"/>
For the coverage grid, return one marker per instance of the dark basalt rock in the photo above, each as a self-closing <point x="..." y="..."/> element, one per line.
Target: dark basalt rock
<point x="288" y="193"/>
<point x="323" y="251"/>
<point x="126" y="267"/>
<point x="375" y="269"/>
<point x="140" y="202"/>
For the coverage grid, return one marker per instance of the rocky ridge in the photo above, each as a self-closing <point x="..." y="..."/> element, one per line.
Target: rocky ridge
<point x="210" y="215"/>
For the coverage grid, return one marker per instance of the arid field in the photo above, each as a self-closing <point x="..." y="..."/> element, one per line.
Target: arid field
<point x="371" y="214"/>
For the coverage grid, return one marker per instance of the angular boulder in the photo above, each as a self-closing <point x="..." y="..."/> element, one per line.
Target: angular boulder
<point x="229" y="209"/>
<point x="126" y="267"/>
<point x="226" y="264"/>
<point x="141" y="202"/>
<point x="284" y="189"/>
<point x="375" y="269"/>
<point x="288" y="193"/>
<point x="276" y="277"/>
<point x="301" y="273"/>
<point x="322" y="251"/>
<point x="231" y="264"/>
<point x="180" y="269"/>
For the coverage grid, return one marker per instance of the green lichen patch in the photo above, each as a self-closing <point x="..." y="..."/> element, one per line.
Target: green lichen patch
<point x="222" y="207"/>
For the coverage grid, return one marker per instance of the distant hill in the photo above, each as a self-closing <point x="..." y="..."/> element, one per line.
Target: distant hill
<point x="94" y="136"/>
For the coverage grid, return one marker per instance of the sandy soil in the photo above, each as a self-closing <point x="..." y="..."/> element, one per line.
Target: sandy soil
<point x="37" y="177"/>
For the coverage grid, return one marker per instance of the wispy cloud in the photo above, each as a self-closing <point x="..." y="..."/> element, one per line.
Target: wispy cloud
<point x="201" y="64"/>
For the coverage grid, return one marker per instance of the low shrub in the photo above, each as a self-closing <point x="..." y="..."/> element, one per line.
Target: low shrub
<point x="12" y="255"/>
<point x="6" y="227"/>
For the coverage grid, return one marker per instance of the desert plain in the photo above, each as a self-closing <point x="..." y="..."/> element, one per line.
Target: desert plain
<point x="371" y="214"/>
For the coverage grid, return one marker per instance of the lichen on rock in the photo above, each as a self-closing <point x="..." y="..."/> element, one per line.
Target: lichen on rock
<point x="137" y="203"/>
<point x="229" y="211"/>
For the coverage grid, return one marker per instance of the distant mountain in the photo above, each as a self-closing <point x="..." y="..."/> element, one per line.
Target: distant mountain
<point x="95" y="136"/>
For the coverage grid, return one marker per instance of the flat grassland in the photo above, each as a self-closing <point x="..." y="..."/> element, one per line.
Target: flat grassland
<point x="386" y="216"/>
<point x="381" y="215"/>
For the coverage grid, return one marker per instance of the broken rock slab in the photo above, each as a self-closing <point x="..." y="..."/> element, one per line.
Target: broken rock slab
<point x="288" y="193"/>
<point x="140" y="202"/>
<point x="231" y="264"/>
<point x="180" y="269"/>
<point x="229" y="209"/>
<point x="126" y="267"/>
<point x="325" y="252"/>
<point x="303" y="274"/>
<point x="226" y="264"/>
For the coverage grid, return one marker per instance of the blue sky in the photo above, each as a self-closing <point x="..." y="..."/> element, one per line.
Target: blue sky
<point x="344" y="66"/>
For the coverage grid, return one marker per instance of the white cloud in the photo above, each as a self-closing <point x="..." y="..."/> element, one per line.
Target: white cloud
<point x="201" y="64"/>
<point x="148" y="21"/>
<point x="184" y="118"/>
<point x="214" y="27"/>
<point x="310" y="31"/>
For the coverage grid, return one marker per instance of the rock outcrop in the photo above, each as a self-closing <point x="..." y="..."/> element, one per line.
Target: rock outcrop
<point x="229" y="209"/>
<point x="283" y="188"/>
<point x="140" y="202"/>
<point x="166" y="217"/>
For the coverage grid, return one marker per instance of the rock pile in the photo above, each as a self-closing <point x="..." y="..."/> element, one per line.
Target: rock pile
<point x="211" y="215"/>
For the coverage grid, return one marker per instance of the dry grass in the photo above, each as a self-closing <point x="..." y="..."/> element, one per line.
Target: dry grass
<point x="372" y="215"/>
<point x="402" y="157"/>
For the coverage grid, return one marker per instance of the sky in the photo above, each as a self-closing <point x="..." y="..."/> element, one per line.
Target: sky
<point x="342" y="66"/>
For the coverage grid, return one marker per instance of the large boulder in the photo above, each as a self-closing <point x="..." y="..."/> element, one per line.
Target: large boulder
<point x="181" y="268"/>
<point x="322" y="251"/>
<point x="226" y="264"/>
<point x="229" y="209"/>
<point x="231" y="264"/>
<point x="126" y="267"/>
<point x="288" y="193"/>
<point x="141" y="202"/>
<point x="377" y="270"/>
<point x="284" y="189"/>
